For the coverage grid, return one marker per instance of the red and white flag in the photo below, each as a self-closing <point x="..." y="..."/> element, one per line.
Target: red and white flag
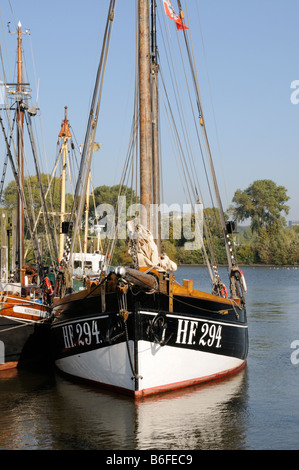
<point x="173" y="16"/>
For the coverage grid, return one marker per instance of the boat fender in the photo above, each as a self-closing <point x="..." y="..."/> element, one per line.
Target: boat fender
<point x="49" y="286"/>
<point x="47" y="291"/>
<point x="224" y="291"/>
<point x="242" y="281"/>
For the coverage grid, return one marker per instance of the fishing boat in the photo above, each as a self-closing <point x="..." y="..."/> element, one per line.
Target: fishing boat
<point x="135" y="329"/>
<point x="26" y="292"/>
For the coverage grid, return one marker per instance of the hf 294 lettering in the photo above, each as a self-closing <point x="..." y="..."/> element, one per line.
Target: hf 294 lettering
<point x="81" y="334"/>
<point x="203" y="334"/>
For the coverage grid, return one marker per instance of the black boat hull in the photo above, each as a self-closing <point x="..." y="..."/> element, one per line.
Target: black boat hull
<point x="149" y="349"/>
<point x="24" y="342"/>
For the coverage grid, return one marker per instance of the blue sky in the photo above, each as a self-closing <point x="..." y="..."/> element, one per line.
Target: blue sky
<point x="250" y="55"/>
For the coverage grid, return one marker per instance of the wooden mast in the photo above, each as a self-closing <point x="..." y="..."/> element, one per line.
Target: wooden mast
<point x="86" y="217"/>
<point x="64" y="134"/>
<point x="20" y="139"/>
<point x="155" y="131"/>
<point x="145" y="112"/>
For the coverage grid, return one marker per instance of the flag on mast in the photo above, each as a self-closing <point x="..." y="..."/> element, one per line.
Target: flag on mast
<point x="173" y="16"/>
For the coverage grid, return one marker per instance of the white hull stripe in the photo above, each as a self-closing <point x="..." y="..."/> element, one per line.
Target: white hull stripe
<point x="154" y="314"/>
<point x="19" y="320"/>
<point x="68" y="322"/>
<point x="21" y="301"/>
<point x="196" y="318"/>
<point x="29" y="311"/>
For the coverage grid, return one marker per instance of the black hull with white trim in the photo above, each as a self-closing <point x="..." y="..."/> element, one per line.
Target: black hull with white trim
<point x="24" y="332"/>
<point x="149" y="349"/>
<point x="24" y="342"/>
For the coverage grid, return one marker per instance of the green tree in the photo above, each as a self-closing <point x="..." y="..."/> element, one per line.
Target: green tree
<point x="110" y="194"/>
<point x="263" y="202"/>
<point x="245" y="246"/>
<point x="34" y="205"/>
<point x="33" y="194"/>
<point x="281" y="248"/>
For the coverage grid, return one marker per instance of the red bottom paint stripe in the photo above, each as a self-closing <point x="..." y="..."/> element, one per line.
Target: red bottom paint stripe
<point x="187" y="383"/>
<point x="138" y="394"/>
<point x="8" y="365"/>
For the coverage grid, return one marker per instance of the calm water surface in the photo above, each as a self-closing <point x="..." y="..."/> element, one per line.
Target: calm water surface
<point x="256" y="409"/>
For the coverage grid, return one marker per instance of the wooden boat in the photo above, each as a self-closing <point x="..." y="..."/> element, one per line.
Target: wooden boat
<point x="24" y="328"/>
<point x="135" y="329"/>
<point x="25" y="298"/>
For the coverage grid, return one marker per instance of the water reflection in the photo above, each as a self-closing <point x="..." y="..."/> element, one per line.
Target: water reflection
<point x="23" y="409"/>
<point x="58" y="414"/>
<point x="205" y="417"/>
<point x="256" y="409"/>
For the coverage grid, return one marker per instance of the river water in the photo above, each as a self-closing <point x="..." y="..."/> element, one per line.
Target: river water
<point x="256" y="409"/>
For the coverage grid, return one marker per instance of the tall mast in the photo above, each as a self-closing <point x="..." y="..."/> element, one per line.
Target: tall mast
<point x="155" y="128"/>
<point x="84" y="170"/>
<point x="64" y="134"/>
<point x="20" y="139"/>
<point x="145" y="112"/>
<point x="86" y="217"/>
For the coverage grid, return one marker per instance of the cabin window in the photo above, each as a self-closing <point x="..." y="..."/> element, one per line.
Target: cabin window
<point x="88" y="264"/>
<point x="77" y="264"/>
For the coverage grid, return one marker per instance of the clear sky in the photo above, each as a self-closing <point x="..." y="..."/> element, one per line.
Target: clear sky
<point x="250" y="54"/>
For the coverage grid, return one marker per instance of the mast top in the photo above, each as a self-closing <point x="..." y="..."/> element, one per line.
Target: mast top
<point x="65" y="130"/>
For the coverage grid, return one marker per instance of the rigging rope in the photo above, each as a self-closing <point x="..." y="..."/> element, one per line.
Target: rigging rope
<point x="210" y="88"/>
<point x="21" y="194"/>
<point x="48" y="226"/>
<point x="22" y="104"/>
<point x="189" y="173"/>
<point x="84" y="172"/>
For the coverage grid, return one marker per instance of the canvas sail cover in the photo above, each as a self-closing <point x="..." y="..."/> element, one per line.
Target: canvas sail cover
<point x="146" y="250"/>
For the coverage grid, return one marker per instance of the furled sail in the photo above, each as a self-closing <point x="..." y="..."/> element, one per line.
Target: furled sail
<point x="144" y="250"/>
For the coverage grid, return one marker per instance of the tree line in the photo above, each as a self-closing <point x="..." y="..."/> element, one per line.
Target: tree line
<point x="262" y="236"/>
<point x="265" y="237"/>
